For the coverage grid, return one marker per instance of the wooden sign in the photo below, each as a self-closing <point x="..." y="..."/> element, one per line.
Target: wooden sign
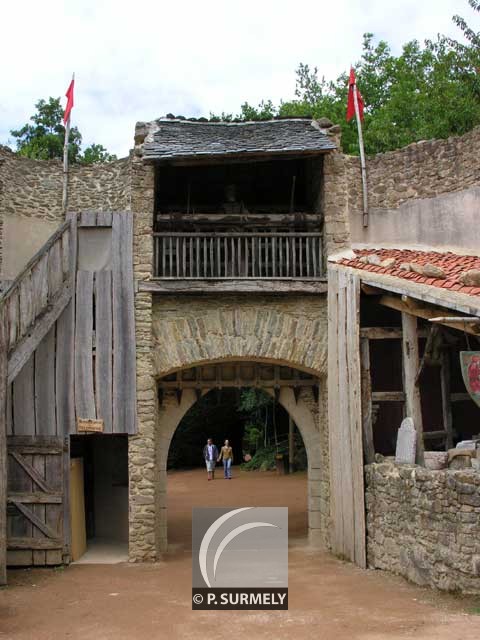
<point x="89" y="426"/>
<point x="470" y="363"/>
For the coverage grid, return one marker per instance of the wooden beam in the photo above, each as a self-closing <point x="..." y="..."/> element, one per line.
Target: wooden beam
<point x="387" y="333"/>
<point x="33" y="261"/>
<point x="234" y="285"/>
<point x="22" y="352"/>
<point x="446" y="399"/>
<point x="435" y="435"/>
<point x="34" y="543"/>
<point x="291" y="447"/>
<point x="425" y="312"/>
<point x="38" y="497"/>
<point x="427" y="352"/>
<point x="3" y="445"/>
<point x="411" y="363"/>
<point x="368" y="290"/>
<point x="240" y="382"/>
<point x="367" y="429"/>
<point x="388" y="396"/>
<point x="440" y="298"/>
<point x="460" y="397"/>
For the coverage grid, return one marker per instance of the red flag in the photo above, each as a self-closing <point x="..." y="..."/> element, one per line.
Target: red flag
<point x="352" y="86"/>
<point x="69" y="96"/>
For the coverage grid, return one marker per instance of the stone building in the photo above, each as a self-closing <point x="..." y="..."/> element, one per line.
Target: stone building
<point x="201" y="261"/>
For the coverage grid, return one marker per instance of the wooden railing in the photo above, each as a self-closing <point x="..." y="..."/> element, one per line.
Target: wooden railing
<point x="33" y="301"/>
<point x="238" y="255"/>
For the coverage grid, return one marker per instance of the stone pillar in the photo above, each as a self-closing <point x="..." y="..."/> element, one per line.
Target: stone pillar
<point x="318" y="470"/>
<point x="169" y="416"/>
<point x="335" y="204"/>
<point x="141" y="452"/>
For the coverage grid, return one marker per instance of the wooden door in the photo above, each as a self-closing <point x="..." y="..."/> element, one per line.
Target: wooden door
<point x="36" y="506"/>
<point x="347" y="499"/>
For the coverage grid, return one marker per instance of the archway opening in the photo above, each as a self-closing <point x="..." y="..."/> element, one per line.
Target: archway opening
<point x="270" y="413"/>
<point x="269" y="466"/>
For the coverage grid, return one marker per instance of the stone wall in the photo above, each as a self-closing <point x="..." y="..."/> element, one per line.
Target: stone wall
<point x="425" y="525"/>
<point x="32" y="189"/>
<point x="189" y="330"/>
<point x="420" y="170"/>
<point x="425" y="193"/>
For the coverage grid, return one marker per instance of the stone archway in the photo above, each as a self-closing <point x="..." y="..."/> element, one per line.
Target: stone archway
<point x="309" y="417"/>
<point x="179" y="332"/>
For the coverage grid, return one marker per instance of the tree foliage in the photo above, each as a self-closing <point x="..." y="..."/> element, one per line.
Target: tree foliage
<point x="44" y="137"/>
<point x="429" y="90"/>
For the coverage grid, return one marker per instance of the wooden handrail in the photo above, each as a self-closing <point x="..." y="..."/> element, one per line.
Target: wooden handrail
<point x="236" y="234"/>
<point x="34" y="260"/>
<point x="38" y="293"/>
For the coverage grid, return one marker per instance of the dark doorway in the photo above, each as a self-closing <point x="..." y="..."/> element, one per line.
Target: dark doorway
<point x="104" y="459"/>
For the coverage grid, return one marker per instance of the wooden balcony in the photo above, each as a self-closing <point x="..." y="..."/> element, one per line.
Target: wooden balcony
<point x="237" y="261"/>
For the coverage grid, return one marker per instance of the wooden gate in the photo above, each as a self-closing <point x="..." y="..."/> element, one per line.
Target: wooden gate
<point x="345" y="417"/>
<point x="36" y="531"/>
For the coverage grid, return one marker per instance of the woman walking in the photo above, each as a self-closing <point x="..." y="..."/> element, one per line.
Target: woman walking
<point x="226" y="454"/>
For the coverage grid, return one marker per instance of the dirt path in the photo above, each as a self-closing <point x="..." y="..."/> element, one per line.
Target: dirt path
<point x="328" y="599"/>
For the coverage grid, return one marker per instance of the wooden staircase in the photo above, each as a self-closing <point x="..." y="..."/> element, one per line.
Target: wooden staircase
<point x="29" y="307"/>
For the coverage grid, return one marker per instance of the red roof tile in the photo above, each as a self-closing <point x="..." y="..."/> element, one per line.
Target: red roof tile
<point x="452" y="264"/>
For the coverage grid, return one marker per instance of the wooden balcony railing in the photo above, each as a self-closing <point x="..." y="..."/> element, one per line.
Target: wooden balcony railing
<point x="238" y="255"/>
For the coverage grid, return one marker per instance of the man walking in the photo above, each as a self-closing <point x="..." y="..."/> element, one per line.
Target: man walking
<point x="210" y="455"/>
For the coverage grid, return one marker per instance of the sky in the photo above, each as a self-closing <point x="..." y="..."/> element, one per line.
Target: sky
<point x="141" y="59"/>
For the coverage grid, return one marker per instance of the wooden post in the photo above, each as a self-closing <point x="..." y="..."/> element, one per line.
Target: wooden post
<point x="291" y="448"/>
<point x="3" y="446"/>
<point x="65" y="158"/>
<point x="367" y="430"/>
<point x="446" y="400"/>
<point x="411" y="363"/>
<point x="362" y="157"/>
<point x="65" y="168"/>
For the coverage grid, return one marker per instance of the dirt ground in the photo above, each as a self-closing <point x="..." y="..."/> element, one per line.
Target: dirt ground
<point x="328" y="599"/>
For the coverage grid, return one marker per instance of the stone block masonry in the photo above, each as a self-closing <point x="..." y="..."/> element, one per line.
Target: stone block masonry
<point x="421" y="170"/>
<point x="425" y="525"/>
<point x="284" y="330"/>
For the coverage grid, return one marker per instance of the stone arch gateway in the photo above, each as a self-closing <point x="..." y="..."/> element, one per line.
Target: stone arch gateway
<point x="305" y="412"/>
<point x="195" y="331"/>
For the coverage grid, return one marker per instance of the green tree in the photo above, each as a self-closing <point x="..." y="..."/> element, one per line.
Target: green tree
<point x="429" y="90"/>
<point x="44" y="137"/>
<point x="96" y="153"/>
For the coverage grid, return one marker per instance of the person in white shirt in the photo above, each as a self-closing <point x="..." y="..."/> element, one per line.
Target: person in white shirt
<point x="210" y="455"/>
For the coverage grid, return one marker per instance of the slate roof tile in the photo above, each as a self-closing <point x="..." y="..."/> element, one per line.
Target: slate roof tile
<point x="184" y="139"/>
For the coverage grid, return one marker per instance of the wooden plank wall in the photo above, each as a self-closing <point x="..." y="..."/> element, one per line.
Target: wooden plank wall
<point x="85" y="366"/>
<point x="345" y="417"/>
<point x="4" y="405"/>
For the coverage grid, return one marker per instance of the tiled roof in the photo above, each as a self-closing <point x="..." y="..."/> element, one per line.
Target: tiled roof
<point x="453" y="266"/>
<point x="184" y="139"/>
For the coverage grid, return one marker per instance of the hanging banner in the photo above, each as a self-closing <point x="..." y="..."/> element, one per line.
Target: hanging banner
<point x="470" y="364"/>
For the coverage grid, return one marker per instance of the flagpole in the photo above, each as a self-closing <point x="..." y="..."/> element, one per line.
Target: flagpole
<point x="362" y="157"/>
<point x="65" y="167"/>
<point x="65" y="162"/>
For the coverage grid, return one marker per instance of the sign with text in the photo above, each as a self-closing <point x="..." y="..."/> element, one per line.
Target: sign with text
<point x="240" y="558"/>
<point x="89" y="426"/>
